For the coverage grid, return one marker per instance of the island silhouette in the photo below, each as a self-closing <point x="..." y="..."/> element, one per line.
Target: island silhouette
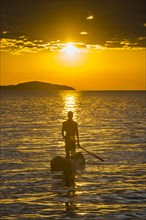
<point x="36" y="85"/>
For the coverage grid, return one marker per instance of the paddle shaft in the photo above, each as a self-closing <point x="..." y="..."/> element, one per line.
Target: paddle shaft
<point x="91" y="153"/>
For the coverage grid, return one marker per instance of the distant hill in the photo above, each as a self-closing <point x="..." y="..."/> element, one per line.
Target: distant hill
<point x="36" y="85"/>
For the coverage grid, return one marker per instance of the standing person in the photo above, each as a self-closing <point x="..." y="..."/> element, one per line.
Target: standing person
<point x="70" y="134"/>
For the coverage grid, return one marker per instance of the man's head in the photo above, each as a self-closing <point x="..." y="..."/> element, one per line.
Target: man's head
<point x="70" y="115"/>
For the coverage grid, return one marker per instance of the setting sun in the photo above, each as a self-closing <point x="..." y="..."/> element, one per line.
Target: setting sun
<point x="73" y="89"/>
<point x="70" y="49"/>
<point x="77" y="47"/>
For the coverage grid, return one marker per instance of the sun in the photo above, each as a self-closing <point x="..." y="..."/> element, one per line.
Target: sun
<point x="70" y="55"/>
<point x="70" y="49"/>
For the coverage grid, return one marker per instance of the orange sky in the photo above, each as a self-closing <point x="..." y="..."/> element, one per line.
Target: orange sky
<point x="102" y="69"/>
<point x="106" y="49"/>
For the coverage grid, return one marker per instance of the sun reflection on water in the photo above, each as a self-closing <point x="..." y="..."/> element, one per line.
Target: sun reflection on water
<point x="70" y="104"/>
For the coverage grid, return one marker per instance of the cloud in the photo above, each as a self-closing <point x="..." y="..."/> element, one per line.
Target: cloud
<point x="94" y="47"/>
<point x="138" y="43"/>
<point x="5" y="32"/>
<point x="142" y="38"/>
<point x="83" y="33"/>
<point x="90" y="17"/>
<point x="24" y="45"/>
<point x="127" y="44"/>
<point x="112" y="43"/>
<point x="21" y="45"/>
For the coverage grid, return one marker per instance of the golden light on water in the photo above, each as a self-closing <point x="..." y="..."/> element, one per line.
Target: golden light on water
<point x="70" y="104"/>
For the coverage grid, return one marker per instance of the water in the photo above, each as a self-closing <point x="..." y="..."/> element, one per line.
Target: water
<point x="111" y="125"/>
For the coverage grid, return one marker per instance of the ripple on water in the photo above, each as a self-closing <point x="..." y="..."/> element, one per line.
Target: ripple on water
<point x="111" y="126"/>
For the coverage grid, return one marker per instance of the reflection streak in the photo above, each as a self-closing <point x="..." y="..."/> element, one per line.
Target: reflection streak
<point x="70" y="103"/>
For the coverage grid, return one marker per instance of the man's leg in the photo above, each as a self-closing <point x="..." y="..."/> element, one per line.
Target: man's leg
<point x="67" y="151"/>
<point x="73" y="149"/>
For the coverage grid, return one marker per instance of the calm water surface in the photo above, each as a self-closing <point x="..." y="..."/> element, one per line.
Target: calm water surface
<point x="111" y="125"/>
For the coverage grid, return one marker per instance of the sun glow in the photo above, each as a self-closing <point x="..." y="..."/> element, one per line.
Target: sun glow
<point x="70" y="49"/>
<point x="71" y="55"/>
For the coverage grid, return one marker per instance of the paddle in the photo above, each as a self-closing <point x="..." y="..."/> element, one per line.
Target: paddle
<point x="91" y="153"/>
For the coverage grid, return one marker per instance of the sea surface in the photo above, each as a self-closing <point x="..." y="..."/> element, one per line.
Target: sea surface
<point x="111" y="125"/>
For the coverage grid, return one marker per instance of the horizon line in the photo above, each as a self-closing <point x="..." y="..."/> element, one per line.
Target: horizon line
<point x="74" y="89"/>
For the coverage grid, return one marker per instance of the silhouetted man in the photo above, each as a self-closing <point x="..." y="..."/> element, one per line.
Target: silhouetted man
<point x="70" y="134"/>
